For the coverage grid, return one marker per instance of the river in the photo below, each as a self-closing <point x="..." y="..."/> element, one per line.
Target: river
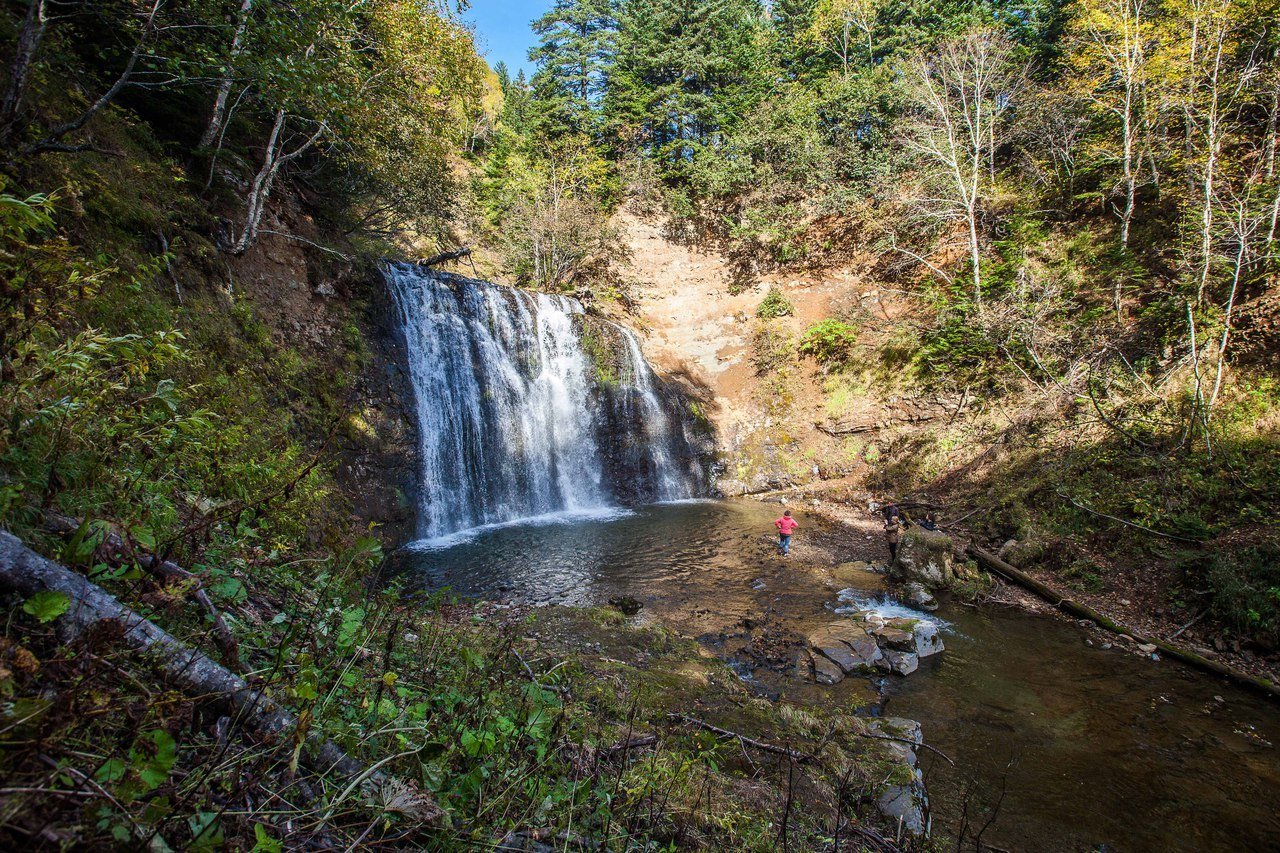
<point x="1083" y="748"/>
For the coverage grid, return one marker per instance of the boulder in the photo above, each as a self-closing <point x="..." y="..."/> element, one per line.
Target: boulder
<point x="917" y="595"/>
<point x="928" y="640"/>
<point x="824" y="670"/>
<point x="902" y="663"/>
<point x="899" y="637"/>
<point x="906" y="804"/>
<point x="847" y="646"/>
<point x="924" y="556"/>
<point x="1023" y="553"/>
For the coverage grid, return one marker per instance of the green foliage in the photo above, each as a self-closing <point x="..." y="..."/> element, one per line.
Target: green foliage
<point x="1246" y="587"/>
<point x="829" y="342"/>
<point x="774" y="305"/>
<point x="46" y="605"/>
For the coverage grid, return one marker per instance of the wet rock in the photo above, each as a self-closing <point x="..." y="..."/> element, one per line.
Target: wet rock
<point x="847" y="645"/>
<point x="899" y="662"/>
<point x="928" y="640"/>
<point x="906" y="803"/>
<point x="924" y="556"/>
<point x="825" y="671"/>
<point x="917" y="595"/>
<point x="628" y="605"/>
<point x="899" y="637"/>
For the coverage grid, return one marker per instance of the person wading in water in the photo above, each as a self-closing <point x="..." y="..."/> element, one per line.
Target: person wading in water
<point x="892" y="530"/>
<point x="786" y="526"/>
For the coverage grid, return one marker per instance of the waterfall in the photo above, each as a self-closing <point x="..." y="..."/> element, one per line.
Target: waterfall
<point x="517" y="417"/>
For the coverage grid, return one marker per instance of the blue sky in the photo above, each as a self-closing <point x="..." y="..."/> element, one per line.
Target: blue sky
<point x="502" y="30"/>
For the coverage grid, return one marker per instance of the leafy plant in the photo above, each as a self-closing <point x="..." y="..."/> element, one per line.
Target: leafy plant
<point x="774" y="305"/>
<point x="829" y="342"/>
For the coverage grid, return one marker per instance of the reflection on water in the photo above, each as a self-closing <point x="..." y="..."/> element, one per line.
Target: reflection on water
<point x="1091" y="747"/>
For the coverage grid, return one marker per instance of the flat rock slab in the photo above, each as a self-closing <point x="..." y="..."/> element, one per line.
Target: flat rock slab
<point x="847" y="645"/>
<point x="891" y="637"/>
<point x="825" y="671"/>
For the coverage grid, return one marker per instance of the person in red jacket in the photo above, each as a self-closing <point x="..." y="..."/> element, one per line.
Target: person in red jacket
<point x="786" y="526"/>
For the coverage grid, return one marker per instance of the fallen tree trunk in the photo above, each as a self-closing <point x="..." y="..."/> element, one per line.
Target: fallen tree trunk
<point x="455" y="255"/>
<point x="838" y="430"/>
<point x="1066" y="605"/>
<point x="26" y="572"/>
<point x="116" y="551"/>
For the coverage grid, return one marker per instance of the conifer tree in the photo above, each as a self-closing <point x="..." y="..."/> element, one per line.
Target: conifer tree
<point x="576" y="42"/>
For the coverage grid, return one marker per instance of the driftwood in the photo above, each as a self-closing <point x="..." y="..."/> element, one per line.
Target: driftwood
<point x="1066" y="605"/>
<point x="115" y="551"/>
<point x="444" y="257"/>
<point x="25" y="572"/>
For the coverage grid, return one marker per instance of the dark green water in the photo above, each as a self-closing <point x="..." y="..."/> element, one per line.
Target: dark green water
<point x="1091" y="748"/>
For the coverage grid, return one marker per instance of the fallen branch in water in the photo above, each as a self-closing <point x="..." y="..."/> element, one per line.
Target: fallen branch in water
<point x="743" y="739"/>
<point x="920" y="745"/>
<point x="995" y="564"/>
<point x="25" y="572"/>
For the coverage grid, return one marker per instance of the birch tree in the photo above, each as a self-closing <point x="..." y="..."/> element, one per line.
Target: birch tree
<point x="961" y="94"/>
<point x="840" y="25"/>
<point x="1109" y="46"/>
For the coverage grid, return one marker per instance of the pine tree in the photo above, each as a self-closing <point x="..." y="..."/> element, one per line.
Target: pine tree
<point x="687" y="70"/>
<point x="576" y="42"/>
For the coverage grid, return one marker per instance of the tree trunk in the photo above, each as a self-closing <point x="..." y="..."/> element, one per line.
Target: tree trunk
<point x="1066" y="605"/>
<point x="25" y="572"/>
<point x="219" y="116"/>
<point x="261" y="187"/>
<point x="260" y="192"/>
<point x="33" y="28"/>
<point x="116" y="551"/>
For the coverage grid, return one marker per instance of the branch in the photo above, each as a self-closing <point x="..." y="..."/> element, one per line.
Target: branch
<point x="1129" y="523"/>
<point x="743" y="739"/>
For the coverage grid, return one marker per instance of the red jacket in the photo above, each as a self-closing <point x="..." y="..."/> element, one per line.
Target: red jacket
<point x="786" y="525"/>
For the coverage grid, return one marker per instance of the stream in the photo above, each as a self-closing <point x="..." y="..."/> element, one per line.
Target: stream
<point x="1083" y="748"/>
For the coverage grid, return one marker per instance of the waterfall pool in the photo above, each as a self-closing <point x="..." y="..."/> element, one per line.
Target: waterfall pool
<point x="1083" y="748"/>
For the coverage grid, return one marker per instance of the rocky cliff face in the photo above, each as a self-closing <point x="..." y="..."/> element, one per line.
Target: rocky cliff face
<point x="339" y="315"/>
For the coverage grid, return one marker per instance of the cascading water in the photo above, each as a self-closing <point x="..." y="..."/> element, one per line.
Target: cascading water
<point x="517" y="420"/>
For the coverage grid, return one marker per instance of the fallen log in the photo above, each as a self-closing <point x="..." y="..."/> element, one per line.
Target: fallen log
<point x="837" y="430"/>
<point x="444" y="257"/>
<point x="1074" y="608"/>
<point x="26" y="572"/>
<point x="116" y="551"/>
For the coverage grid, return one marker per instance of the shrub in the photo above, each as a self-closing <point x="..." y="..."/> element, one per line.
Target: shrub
<point x="774" y="305"/>
<point x="829" y="342"/>
<point x="1246" y="588"/>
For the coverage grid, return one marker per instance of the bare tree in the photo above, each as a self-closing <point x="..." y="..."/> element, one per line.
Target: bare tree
<point x="961" y="93"/>
<point x="276" y="156"/>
